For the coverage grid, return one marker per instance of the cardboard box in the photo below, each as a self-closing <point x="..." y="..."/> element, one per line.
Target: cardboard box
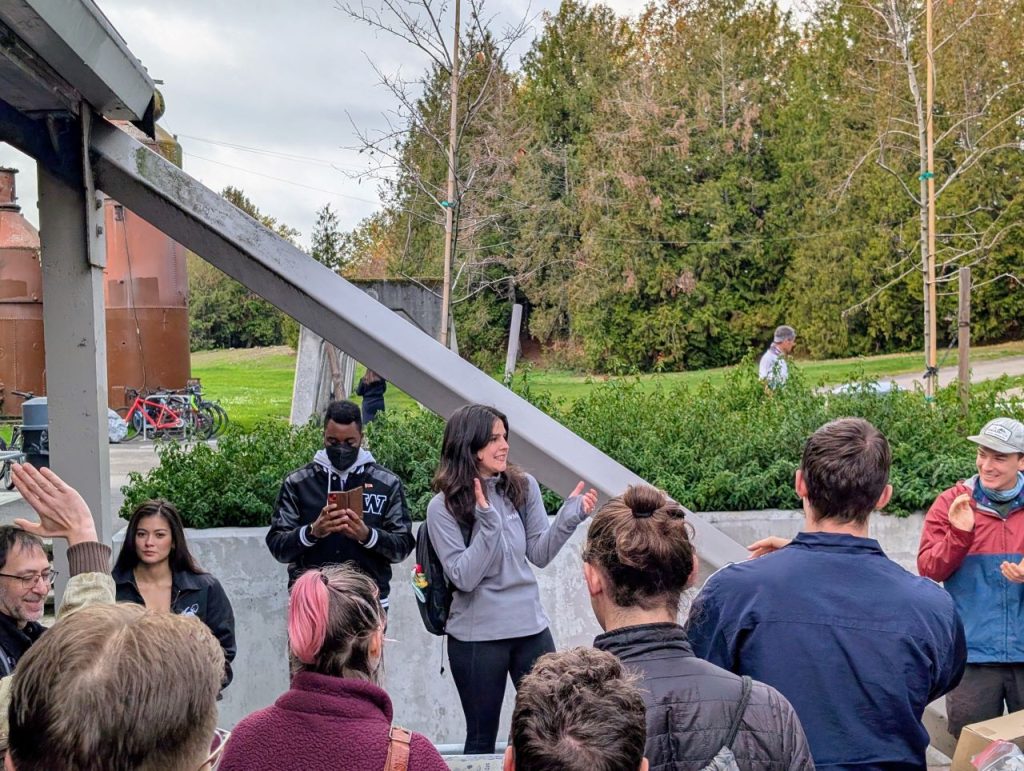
<point x="977" y="736"/>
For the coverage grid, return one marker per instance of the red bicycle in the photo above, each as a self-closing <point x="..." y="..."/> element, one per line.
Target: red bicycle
<point x="149" y="416"/>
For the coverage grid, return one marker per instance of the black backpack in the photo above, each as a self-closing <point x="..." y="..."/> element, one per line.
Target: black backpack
<point x="433" y="591"/>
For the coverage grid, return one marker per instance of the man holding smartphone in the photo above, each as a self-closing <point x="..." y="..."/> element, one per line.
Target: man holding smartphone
<point x="311" y="527"/>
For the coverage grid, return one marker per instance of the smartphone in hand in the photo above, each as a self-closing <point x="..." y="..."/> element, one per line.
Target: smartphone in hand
<point x="333" y="499"/>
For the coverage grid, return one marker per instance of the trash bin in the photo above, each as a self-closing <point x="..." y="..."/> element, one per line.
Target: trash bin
<point x="35" y="432"/>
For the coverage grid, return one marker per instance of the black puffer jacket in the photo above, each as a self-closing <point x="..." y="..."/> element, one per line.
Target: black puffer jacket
<point x="691" y="703"/>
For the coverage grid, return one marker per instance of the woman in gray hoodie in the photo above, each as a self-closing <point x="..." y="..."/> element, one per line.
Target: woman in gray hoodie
<point x="486" y="521"/>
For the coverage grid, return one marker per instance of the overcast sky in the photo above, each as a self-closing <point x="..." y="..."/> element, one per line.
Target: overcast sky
<point x="260" y="92"/>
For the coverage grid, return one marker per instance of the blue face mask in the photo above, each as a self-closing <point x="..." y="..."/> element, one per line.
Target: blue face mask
<point x="1004" y="496"/>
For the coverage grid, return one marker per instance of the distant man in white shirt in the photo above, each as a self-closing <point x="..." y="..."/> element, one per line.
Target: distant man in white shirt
<point x="773" y="369"/>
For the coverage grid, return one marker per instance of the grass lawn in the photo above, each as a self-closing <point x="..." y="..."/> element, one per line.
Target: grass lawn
<point x="256" y="384"/>
<point x="570" y="386"/>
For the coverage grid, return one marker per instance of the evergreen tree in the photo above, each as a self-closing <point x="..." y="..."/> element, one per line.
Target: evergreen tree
<point x="222" y="312"/>
<point x="327" y="239"/>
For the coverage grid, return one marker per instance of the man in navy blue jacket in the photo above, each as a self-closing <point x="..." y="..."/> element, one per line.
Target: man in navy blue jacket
<point x="858" y="645"/>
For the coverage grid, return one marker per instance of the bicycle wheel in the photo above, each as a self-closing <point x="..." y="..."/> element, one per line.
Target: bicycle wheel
<point x="220" y="417"/>
<point x="134" y="425"/>
<point x="5" y="472"/>
<point x="199" y="421"/>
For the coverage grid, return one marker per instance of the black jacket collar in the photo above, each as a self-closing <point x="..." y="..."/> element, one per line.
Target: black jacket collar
<point x="180" y="579"/>
<point x="14" y="641"/>
<point x="631" y="641"/>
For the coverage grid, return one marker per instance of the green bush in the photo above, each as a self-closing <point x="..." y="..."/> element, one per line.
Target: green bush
<point x="714" y="448"/>
<point x="233" y="484"/>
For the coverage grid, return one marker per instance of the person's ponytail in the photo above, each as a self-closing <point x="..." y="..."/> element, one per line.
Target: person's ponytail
<point x="307" y="616"/>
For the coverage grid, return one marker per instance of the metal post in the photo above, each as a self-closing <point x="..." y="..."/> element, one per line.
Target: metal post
<point x="451" y="203"/>
<point x="74" y="330"/>
<point x="513" y="342"/>
<point x="931" y="311"/>
<point x="964" y="340"/>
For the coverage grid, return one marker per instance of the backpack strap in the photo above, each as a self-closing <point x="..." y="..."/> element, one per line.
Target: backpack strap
<point x="466" y="530"/>
<point x="741" y="708"/>
<point x="398" y="749"/>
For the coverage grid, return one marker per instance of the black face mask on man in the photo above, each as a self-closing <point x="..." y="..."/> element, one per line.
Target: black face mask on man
<point x="342" y="456"/>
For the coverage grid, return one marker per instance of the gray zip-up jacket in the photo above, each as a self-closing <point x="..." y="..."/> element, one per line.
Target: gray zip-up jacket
<point x="495" y="591"/>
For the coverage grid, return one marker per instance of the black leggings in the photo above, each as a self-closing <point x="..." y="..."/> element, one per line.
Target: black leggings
<point x="479" y="670"/>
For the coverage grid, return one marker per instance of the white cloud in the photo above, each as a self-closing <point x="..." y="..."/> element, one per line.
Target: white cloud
<point x="281" y="79"/>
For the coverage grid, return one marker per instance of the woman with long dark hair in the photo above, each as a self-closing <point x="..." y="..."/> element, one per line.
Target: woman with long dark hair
<point x="155" y="568"/>
<point x="485" y="523"/>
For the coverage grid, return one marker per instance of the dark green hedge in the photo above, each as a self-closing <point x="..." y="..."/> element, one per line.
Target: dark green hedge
<point x="714" y="448"/>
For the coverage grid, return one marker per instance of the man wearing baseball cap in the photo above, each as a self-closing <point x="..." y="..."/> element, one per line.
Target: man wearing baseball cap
<point x="973" y="541"/>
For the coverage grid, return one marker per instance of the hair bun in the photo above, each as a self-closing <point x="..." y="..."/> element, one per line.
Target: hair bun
<point x="644" y="500"/>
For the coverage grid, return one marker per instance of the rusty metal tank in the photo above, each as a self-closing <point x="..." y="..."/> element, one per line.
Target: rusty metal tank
<point x="146" y="292"/>
<point x="22" y="356"/>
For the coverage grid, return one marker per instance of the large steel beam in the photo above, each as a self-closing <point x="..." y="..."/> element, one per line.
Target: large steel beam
<point x="80" y="45"/>
<point x="336" y="310"/>
<point x="74" y="330"/>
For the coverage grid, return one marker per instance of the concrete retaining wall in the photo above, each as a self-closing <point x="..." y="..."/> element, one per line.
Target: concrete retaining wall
<point x="424" y="699"/>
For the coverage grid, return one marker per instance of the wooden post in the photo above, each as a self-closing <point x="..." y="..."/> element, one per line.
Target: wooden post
<point x="513" y="342"/>
<point x="964" y="340"/>
<point x="931" y="311"/>
<point x="450" y="203"/>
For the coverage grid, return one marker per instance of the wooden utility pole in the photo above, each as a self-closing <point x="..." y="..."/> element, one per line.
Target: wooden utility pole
<point x="930" y="310"/>
<point x="450" y="203"/>
<point x="964" y="339"/>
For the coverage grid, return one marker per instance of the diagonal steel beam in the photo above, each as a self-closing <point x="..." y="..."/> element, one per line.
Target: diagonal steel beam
<point x="339" y="312"/>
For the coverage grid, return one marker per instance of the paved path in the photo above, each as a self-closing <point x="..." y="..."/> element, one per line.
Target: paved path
<point x="982" y="370"/>
<point x="133" y="456"/>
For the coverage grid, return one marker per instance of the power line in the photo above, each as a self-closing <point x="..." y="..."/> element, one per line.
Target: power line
<point x="281" y="179"/>
<point x="272" y="153"/>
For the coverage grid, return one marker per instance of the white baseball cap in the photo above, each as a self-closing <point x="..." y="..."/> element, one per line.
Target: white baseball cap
<point x="1001" y="435"/>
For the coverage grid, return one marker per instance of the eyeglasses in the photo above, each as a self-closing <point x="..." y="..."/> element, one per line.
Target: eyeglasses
<point x="220" y="741"/>
<point x="29" y="581"/>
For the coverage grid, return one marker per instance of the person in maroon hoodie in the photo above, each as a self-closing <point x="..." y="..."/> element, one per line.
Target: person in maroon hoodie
<point x="335" y="716"/>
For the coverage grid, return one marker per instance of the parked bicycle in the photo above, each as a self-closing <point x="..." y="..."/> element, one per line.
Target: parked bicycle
<point x="15" y="446"/>
<point x="149" y="417"/>
<point x="182" y="412"/>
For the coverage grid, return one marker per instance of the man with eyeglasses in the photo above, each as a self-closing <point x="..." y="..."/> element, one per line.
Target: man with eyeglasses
<point x="25" y="580"/>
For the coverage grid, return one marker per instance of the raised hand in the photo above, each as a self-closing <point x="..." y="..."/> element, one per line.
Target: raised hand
<point x="961" y="515"/>
<point x="589" y="499"/>
<point x="63" y="513"/>
<point x="481" y="499"/>
<point x="767" y="546"/>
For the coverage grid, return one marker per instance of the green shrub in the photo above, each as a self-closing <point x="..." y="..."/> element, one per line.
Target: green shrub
<point x="233" y="484"/>
<point x="714" y="448"/>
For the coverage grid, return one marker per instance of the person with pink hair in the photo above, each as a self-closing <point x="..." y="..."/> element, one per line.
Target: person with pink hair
<point x="335" y="715"/>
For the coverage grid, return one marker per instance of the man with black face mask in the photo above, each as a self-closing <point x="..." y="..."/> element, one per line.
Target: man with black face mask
<point x="309" y="531"/>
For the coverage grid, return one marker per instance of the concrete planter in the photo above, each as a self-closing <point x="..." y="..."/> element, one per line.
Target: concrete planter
<point x="425" y="700"/>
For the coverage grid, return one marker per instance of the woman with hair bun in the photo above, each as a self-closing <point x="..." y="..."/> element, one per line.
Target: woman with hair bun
<point x="487" y="523"/>
<point x="335" y="716"/>
<point x="638" y="560"/>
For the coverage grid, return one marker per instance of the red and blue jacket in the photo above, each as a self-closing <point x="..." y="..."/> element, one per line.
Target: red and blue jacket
<point x="967" y="563"/>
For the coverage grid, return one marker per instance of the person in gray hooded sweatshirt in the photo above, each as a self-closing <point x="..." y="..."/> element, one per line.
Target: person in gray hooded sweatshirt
<point x="308" y="531"/>
<point x="486" y="521"/>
